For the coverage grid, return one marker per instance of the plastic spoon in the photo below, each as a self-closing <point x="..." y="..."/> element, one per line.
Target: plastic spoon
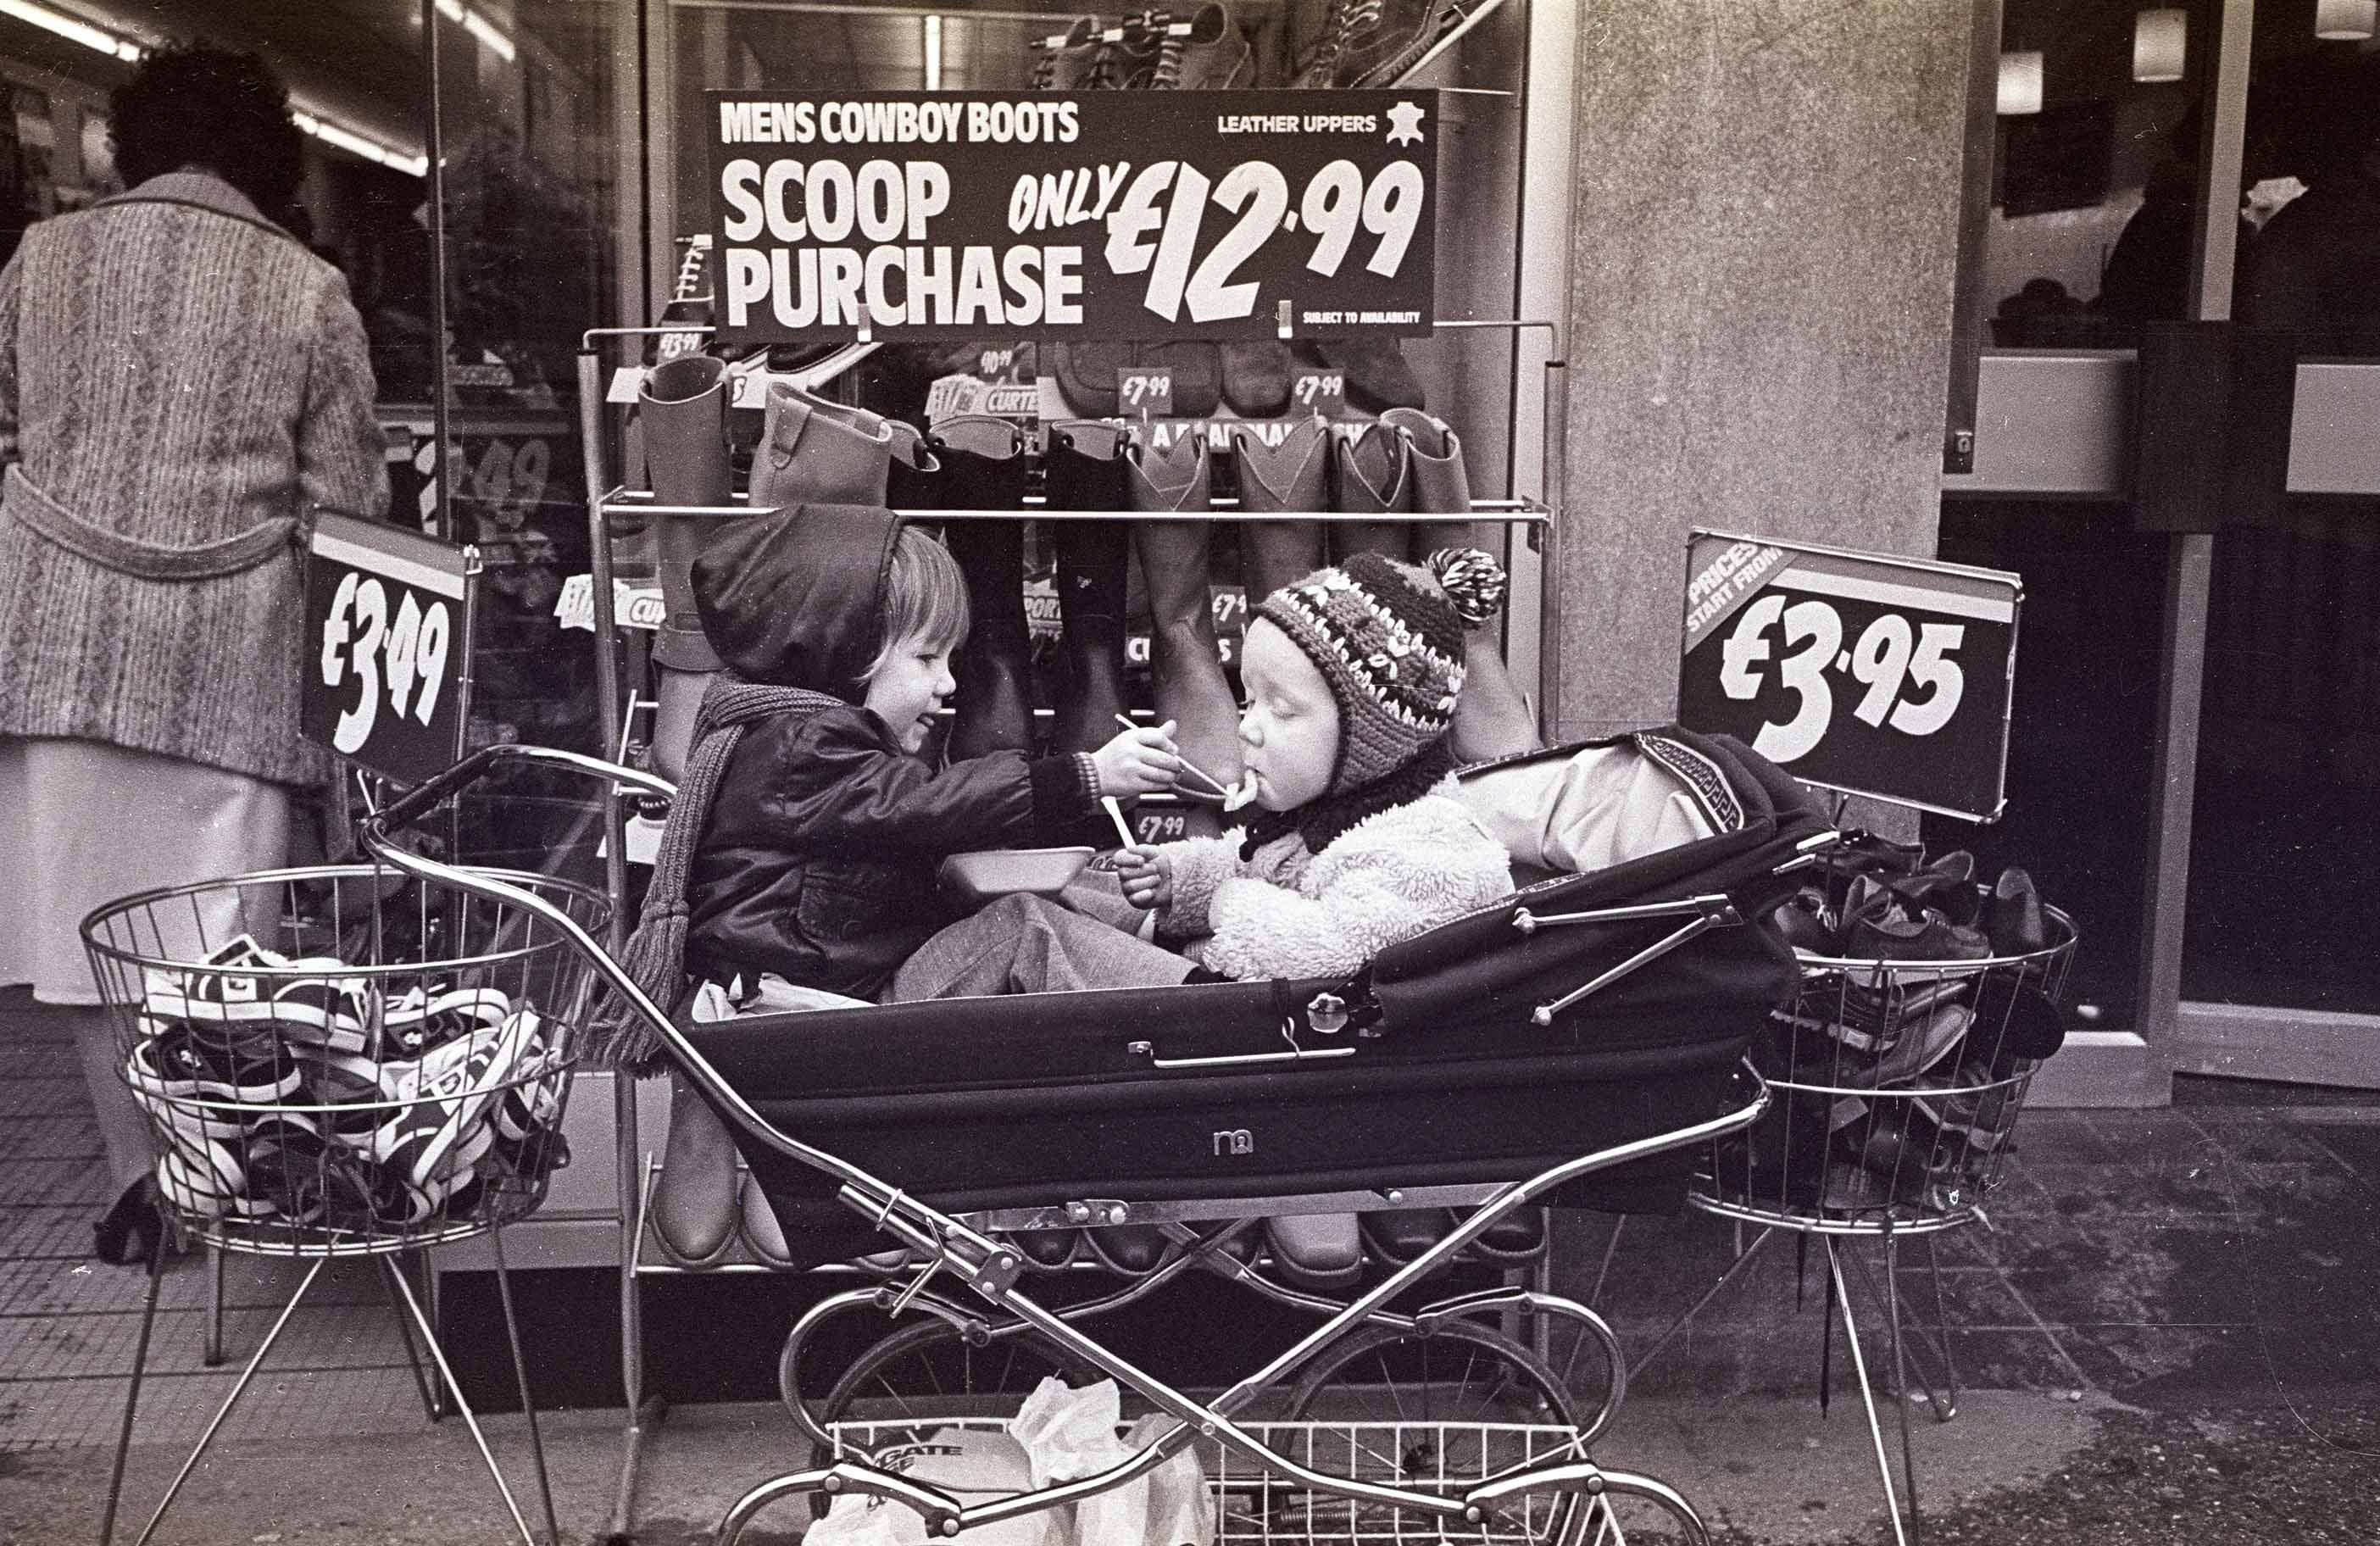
<point x="1115" y="814"/>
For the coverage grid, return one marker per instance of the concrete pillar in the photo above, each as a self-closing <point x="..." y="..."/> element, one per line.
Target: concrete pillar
<point x="1765" y="232"/>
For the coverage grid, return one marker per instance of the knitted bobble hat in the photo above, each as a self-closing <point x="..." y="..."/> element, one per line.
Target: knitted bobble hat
<point x="1389" y="639"/>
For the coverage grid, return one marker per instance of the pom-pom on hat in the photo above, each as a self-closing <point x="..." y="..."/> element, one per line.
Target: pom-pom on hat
<point x="1389" y="639"/>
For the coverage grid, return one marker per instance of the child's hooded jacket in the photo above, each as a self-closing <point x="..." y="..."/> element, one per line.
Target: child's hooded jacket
<point x="818" y="858"/>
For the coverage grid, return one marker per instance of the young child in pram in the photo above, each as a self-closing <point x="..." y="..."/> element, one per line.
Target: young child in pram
<point x="798" y="867"/>
<point x="1352" y="676"/>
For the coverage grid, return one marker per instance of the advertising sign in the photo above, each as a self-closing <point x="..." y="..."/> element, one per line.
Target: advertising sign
<point x="1859" y="672"/>
<point x="1095" y="215"/>
<point x="388" y="621"/>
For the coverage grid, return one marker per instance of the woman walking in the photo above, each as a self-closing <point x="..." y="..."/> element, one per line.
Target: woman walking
<point x="180" y="380"/>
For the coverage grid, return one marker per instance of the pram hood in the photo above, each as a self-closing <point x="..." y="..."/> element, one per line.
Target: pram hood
<point x="796" y="598"/>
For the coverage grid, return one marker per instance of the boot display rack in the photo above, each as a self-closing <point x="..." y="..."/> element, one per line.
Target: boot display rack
<point x="635" y="1176"/>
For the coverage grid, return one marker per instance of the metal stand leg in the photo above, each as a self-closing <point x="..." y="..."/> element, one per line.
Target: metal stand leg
<point x="132" y="1397"/>
<point x="405" y="1330"/>
<point x="1867" y="1393"/>
<point x="238" y="1386"/>
<point x="1680" y="1324"/>
<point x="1948" y="1408"/>
<point x="636" y="1187"/>
<point x="1612" y="1249"/>
<point x="212" y="1354"/>
<point x="429" y="1340"/>
<point x="1899" y="1372"/>
<point x="520" y="1374"/>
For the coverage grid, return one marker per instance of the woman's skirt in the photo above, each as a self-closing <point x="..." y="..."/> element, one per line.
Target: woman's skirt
<point x="84" y="822"/>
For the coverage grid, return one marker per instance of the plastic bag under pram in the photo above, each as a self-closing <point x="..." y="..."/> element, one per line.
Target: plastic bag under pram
<point x="1441" y="1076"/>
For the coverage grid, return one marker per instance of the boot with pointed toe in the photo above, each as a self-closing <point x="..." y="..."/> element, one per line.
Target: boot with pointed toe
<point x="694" y="1201"/>
<point x="1293" y="475"/>
<point x="983" y="467"/>
<point x="817" y="452"/>
<point x="1084" y="469"/>
<point x="1257" y="377"/>
<point x="1186" y="666"/>
<point x="1372" y="475"/>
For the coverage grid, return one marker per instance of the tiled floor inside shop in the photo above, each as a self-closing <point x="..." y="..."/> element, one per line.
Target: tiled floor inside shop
<point x="2222" y="1253"/>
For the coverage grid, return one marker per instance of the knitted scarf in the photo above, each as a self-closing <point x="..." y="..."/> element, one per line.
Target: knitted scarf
<point x="1321" y="820"/>
<point x="655" y="956"/>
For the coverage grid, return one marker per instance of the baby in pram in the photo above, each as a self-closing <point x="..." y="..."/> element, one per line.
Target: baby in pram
<point x="1352" y="676"/>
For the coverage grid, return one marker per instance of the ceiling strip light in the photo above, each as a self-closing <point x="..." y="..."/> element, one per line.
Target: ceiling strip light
<point x="348" y="140"/>
<point x="491" y="36"/>
<point x="933" y="54"/>
<point x="74" y="28"/>
<point x="2346" y="20"/>
<point x="2160" y="41"/>
<point x="2020" y="87"/>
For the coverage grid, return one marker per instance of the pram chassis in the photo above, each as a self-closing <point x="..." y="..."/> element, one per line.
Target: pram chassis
<point x="963" y="1248"/>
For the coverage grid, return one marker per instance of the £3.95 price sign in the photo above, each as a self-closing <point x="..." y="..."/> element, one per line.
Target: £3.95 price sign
<point x="388" y="625"/>
<point x="1093" y="214"/>
<point x="1859" y="672"/>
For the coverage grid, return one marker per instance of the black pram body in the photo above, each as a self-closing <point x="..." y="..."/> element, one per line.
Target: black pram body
<point x="1452" y="1059"/>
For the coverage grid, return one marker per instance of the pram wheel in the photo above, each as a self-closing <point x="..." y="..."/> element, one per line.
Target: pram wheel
<point x="1449" y="1408"/>
<point x="930" y="1371"/>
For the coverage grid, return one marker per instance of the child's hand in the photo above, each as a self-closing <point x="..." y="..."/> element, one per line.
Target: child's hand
<point x="1138" y="761"/>
<point x="1147" y="874"/>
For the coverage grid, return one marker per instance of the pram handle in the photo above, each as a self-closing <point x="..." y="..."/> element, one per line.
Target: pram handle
<point x="443" y="785"/>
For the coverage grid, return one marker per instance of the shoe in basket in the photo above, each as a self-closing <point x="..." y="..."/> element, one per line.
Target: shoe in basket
<point x="207" y="1182"/>
<point x="420" y="1022"/>
<point x="184" y="1081"/>
<point x="330" y="1012"/>
<point x="289" y="1165"/>
<point x="444" y="1094"/>
<point x="233" y="1006"/>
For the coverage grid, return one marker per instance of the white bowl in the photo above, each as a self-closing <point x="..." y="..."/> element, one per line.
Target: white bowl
<point x="999" y="872"/>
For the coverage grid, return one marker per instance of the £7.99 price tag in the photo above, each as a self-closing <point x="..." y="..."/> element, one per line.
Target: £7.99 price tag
<point x="388" y="621"/>
<point x="1864" y="673"/>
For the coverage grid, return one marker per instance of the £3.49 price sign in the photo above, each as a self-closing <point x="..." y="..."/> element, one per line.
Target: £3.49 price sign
<point x="1093" y="214"/>
<point x="1860" y="672"/>
<point x="388" y="625"/>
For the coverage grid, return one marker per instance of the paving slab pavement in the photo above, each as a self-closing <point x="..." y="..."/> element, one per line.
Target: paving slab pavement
<point x="2012" y="1470"/>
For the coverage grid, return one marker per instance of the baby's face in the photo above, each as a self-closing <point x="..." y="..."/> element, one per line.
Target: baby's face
<point x="914" y="683"/>
<point x="1289" y="731"/>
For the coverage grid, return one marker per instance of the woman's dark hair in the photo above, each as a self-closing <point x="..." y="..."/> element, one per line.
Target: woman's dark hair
<point x="194" y="104"/>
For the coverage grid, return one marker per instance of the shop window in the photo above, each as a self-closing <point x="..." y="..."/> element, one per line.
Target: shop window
<point x="2093" y="195"/>
<point x="2285" y="870"/>
<point x="528" y="114"/>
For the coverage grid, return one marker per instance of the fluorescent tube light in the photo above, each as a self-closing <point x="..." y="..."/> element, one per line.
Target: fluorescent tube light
<point x="933" y="54"/>
<point x="72" y="27"/>
<point x="2020" y="90"/>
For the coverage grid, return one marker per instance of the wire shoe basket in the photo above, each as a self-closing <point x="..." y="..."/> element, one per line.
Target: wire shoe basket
<point x="346" y="1060"/>
<point x="1898" y="1085"/>
<point x="1253" y="1506"/>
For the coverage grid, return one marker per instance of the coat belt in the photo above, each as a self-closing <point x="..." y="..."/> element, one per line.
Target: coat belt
<point x="26" y="500"/>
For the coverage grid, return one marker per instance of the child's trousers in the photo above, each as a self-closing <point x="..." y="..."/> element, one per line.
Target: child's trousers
<point x="1030" y="944"/>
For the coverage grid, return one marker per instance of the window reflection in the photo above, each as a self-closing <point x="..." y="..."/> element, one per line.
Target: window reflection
<point x="2093" y="206"/>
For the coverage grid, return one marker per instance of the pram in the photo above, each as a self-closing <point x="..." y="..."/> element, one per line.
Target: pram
<point x="1577" y="1043"/>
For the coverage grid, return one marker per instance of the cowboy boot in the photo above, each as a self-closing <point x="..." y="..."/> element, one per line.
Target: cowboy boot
<point x="1186" y="666"/>
<point x="1290" y="476"/>
<point x="1374" y="470"/>
<point x="1490" y="717"/>
<point x="682" y="404"/>
<point x="1084" y="469"/>
<point x="983" y="467"/>
<point x="814" y="452"/>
